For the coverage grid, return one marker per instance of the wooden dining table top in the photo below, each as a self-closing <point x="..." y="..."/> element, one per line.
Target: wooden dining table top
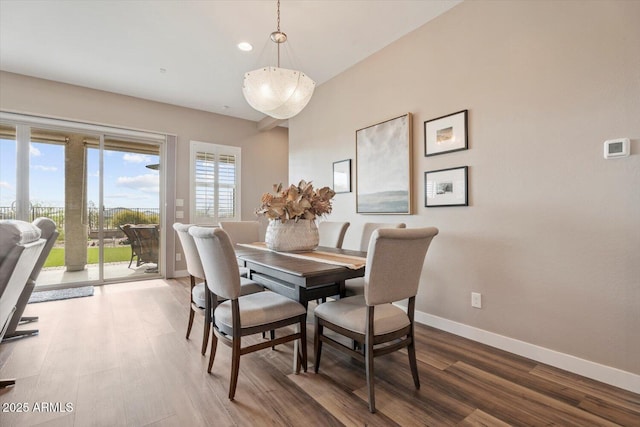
<point x="312" y="271"/>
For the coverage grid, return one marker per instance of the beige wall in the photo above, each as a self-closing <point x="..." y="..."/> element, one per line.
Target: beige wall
<point x="264" y="154"/>
<point x="552" y="234"/>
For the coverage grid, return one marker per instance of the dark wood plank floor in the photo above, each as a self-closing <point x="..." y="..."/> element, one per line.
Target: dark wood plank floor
<point x="120" y="358"/>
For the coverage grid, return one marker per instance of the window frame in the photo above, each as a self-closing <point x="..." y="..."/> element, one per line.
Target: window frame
<point x="217" y="150"/>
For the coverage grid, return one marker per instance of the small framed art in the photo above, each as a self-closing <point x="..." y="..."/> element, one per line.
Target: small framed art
<point x="446" y="187"/>
<point x="446" y="134"/>
<point x="342" y="176"/>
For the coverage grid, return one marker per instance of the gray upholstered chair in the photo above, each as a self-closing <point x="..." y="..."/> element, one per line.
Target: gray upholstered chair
<point x="394" y="263"/>
<point x="242" y="232"/>
<point x="332" y="233"/>
<point x="50" y="234"/>
<point x="356" y="286"/>
<point x="200" y="298"/>
<point x="20" y="247"/>
<point x="244" y="315"/>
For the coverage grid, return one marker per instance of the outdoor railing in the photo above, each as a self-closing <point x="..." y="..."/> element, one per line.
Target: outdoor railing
<point x="111" y="216"/>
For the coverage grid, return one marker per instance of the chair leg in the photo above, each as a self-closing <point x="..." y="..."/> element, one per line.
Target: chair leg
<point x="7" y="383"/>
<point x="369" y="370"/>
<point x="212" y="355"/>
<point x="368" y="358"/>
<point x="205" y="337"/>
<point x="20" y="334"/>
<point x="191" y="314"/>
<point x="317" y="345"/>
<point x="235" y="367"/>
<point x="411" y="350"/>
<point x="24" y="320"/>
<point x="303" y="342"/>
<point x="207" y="321"/>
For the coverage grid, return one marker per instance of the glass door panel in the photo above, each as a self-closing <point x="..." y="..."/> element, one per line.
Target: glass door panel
<point x="8" y="160"/>
<point x="131" y="209"/>
<point x="47" y="195"/>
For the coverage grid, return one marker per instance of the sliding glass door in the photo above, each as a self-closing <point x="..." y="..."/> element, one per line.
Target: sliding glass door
<point x="103" y="192"/>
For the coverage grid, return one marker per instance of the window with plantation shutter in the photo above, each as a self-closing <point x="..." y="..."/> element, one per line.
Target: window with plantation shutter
<point x="215" y="183"/>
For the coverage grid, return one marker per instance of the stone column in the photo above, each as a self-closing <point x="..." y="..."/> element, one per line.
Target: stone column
<point x="75" y="227"/>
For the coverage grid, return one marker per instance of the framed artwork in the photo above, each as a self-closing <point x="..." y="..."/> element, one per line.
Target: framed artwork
<point x="446" y="134"/>
<point x="383" y="167"/>
<point x="342" y="176"/>
<point x="446" y="187"/>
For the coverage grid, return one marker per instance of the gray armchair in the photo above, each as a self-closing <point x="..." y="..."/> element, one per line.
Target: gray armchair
<point x="50" y="234"/>
<point x="20" y="247"/>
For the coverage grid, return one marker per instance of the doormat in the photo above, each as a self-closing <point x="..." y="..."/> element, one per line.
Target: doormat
<point x="59" y="294"/>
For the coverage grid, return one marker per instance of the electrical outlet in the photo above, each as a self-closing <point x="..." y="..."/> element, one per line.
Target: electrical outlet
<point x="476" y="300"/>
<point x="178" y="256"/>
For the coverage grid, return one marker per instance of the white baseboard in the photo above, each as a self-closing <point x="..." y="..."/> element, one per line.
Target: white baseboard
<point x="586" y="368"/>
<point x="180" y="273"/>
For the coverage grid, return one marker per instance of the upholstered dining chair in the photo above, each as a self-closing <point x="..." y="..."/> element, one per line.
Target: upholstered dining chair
<point x="242" y="232"/>
<point x="243" y="315"/>
<point x="200" y="298"/>
<point x="395" y="259"/>
<point x="356" y="286"/>
<point x="332" y="233"/>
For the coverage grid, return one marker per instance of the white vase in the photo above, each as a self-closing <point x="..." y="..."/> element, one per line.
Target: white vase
<point x="292" y="236"/>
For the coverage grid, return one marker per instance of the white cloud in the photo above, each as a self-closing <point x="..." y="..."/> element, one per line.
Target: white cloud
<point x="34" y="151"/>
<point x="149" y="183"/>
<point x="5" y="184"/>
<point x="45" y="168"/>
<point x="136" y="158"/>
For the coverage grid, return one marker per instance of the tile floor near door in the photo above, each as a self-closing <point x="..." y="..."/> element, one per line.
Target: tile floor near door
<point x="120" y="358"/>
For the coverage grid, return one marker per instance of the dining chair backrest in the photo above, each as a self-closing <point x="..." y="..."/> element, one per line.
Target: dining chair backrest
<point x="218" y="261"/>
<point x="395" y="256"/>
<point x="370" y="227"/>
<point x="242" y="231"/>
<point x="191" y="256"/>
<point x="332" y="233"/>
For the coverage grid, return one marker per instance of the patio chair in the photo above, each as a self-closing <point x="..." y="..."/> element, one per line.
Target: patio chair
<point x="145" y="242"/>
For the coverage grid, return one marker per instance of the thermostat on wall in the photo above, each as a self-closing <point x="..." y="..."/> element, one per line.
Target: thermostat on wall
<point x="616" y="148"/>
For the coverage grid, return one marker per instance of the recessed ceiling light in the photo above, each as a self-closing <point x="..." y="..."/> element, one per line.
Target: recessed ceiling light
<point x="245" y="47"/>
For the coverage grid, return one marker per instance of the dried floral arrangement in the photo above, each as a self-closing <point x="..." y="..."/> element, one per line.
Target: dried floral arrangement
<point x="296" y="202"/>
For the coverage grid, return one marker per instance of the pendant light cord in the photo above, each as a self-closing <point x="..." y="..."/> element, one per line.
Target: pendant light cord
<point x="278" y="31"/>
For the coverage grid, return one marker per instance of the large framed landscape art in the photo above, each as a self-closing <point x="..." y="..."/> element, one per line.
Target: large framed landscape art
<point x="383" y="167"/>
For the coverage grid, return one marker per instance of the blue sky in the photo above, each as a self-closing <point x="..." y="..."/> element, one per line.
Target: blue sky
<point x="128" y="182"/>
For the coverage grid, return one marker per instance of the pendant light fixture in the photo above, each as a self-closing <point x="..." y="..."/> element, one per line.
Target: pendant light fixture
<point x="277" y="92"/>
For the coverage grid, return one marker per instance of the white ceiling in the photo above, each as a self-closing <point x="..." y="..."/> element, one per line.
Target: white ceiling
<point x="121" y="46"/>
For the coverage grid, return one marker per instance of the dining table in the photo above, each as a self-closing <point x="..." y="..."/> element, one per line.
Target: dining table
<point x="304" y="276"/>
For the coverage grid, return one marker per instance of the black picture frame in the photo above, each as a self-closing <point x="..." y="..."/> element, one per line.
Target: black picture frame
<point x="342" y="176"/>
<point x="446" y="134"/>
<point x="446" y="187"/>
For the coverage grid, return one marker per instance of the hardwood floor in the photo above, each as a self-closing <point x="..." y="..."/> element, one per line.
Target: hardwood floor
<point x="120" y="358"/>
